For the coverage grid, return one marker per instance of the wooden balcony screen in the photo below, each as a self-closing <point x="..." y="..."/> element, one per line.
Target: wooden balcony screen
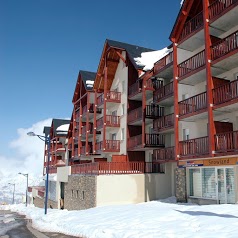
<point x="192" y="25"/>
<point x="164" y="92"/>
<point x="113" y="96"/>
<point x="90" y="129"/>
<point x="164" y="122"/>
<point x="217" y="7"/>
<point x="167" y="153"/>
<point x="100" y="168"/>
<point x="194" y="147"/>
<point x="154" y="111"/>
<point x="113" y="121"/>
<point x="191" y="64"/>
<point x="110" y="145"/>
<point x="134" y="115"/>
<point x="99" y="123"/>
<point x="225" y="46"/>
<point x="135" y="88"/>
<point x="100" y="99"/>
<point x="159" y="65"/>
<point x="226" y="142"/>
<point x="193" y="104"/>
<point x="154" y="140"/>
<point x="225" y="93"/>
<point x="134" y="141"/>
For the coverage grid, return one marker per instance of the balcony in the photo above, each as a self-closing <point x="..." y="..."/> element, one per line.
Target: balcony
<point x="112" y="121"/>
<point x="135" y="90"/>
<point x="226" y="96"/>
<point x="84" y="152"/>
<point x="163" y="93"/>
<point x="99" y="123"/>
<point x="164" y="154"/>
<point x="110" y="146"/>
<point x="90" y="110"/>
<point x="194" y="147"/>
<point x="134" y="117"/>
<point x="101" y="168"/>
<point x="226" y="142"/>
<point x="192" y="70"/>
<point x="193" y="105"/>
<point x="111" y="97"/>
<point x="151" y="141"/>
<point x="164" y="123"/>
<point x="164" y="67"/>
<point x="90" y="130"/>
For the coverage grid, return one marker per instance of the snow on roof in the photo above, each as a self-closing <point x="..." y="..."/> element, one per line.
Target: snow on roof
<point x="89" y="83"/>
<point x="64" y="127"/>
<point x="148" y="59"/>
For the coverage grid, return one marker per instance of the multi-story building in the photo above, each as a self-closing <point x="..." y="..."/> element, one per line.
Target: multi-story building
<point x="205" y="49"/>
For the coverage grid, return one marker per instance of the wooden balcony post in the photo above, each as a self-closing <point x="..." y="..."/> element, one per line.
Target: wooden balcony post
<point x="80" y="128"/>
<point x="74" y="126"/>
<point x="143" y="111"/>
<point x="211" y="128"/>
<point x="87" y="123"/>
<point x="176" y="106"/>
<point x="105" y="104"/>
<point x="94" y="122"/>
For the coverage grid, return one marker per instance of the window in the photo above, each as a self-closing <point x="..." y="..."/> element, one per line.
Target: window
<point x="122" y="133"/>
<point x="123" y="109"/>
<point x="186" y="134"/>
<point x="83" y="195"/>
<point x="195" y="183"/>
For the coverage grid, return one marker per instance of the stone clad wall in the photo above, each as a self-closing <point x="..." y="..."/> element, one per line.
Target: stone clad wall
<point x="181" y="193"/>
<point x="80" y="192"/>
<point x="40" y="202"/>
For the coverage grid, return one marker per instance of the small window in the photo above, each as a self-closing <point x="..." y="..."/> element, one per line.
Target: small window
<point x="83" y="195"/>
<point x="122" y="133"/>
<point x="186" y="134"/>
<point x="72" y="193"/>
<point x="123" y="109"/>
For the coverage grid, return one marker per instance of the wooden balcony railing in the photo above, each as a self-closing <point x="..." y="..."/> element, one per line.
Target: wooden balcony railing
<point x="225" y="93"/>
<point x="194" y="147"/>
<point x="100" y="168"/>
<point x="217" y="7"/>
<point x="149" y="84"/>
<point x="111" y="96"/>
<point x="99" y="123"/>
<point x="153" y="111"/>
<point x="164" y="92"/>
<point x="113" y="121"/>
<point x="52" y="170"/>
<point x="110" y="146"/>
<point x="192" y="25"/>
<point x="193" y="104"/>
<point x="226" y="142"/>
<point x="90" y="129"/>
<point x="135" y="88"/>
<point x="134" y="141"/>
<point x="134" y="115"/>
<point x="77" y="116"/>
<point x="41" y="193"/>
<point x="166" y="60"/>
<point x="84" y="109"/>
<point x="191" y="64"/>
<point x="225" y="46"/>
<point x="83" y="150"/>
<point x="100" y="99"/>
<point x="164" y="122"/>
<point x="167" y="153"/>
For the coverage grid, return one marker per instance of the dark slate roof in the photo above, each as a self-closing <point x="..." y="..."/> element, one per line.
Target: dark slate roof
<point x="46" y="130"/>
<point x="86" y="75"/>
<point x="58" y="122"/>
<point x="133" y="51"/>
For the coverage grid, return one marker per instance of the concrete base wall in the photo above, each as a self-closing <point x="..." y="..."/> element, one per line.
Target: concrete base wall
<point x="201" y="201"/>
<point x="80" y="192"/>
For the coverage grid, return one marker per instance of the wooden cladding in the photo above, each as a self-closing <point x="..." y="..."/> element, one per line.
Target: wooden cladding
<point x="134" y="115"/>
<point x="136" y="87"/>
<point x="162" y="63"/>
<point x="167" y="153"/>
<point x="194" y="147"/>
<point x="164" y="122"/>
<point x="193" y="104"/>
<point x="164" y="91"/>
<point x="225" y="46"/>
<point x="192" y="25"/>
<point x="191" y="64"/>
<point x="98" y="168"/>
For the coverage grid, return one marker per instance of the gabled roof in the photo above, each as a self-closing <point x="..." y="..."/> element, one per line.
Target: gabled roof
<point x="46" y="130"/>
<point x="82" y="79"/>
<point x="57" y="123"/>
<point x="113" y="52"/>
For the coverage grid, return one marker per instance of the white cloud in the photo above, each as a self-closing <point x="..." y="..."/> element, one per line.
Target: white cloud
<point x="28" y="152"/>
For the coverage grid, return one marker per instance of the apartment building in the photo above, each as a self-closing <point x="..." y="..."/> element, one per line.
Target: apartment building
<point x="205" y="55"/>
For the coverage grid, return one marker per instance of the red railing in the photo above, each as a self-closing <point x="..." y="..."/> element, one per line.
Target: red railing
<point x="110" y="146"/>
<point x="193" y="104"/>
<point x="149" y="84"/>
<point x="112" y="120"/>
<point x="113" y="96"/>
<point x="194" y="147"/>
<point x="167" y="153"/>
<point x="134" y="141"/>
<point x="217" y="7"/>
<point x="76" y="152"/>
<point x="135" y="88"/>
<point x="226" y="142"/>
<point x="90" y="129"/>
<point x="99" y="123"/>
<point x="100" y="168"/>
<point x="164" y="122"/>
<point x="100" y="99"/>
<point x="224" y="46"/>
<point x="134" y="115"/>
<point x="225" y="93"/>
<point x="164" y="92"/>
<point x="191" y="64"/>
<point x="77" y="116"/>
<point x="83" y="150"/>
<point x="153" y="111"/>
<point x="154" y="140"/>
<point x="159" y="65"/>
<point x="192" y="25"/>
<point x="41" y="193"/>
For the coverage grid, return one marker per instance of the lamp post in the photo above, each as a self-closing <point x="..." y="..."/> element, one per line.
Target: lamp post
<point x="46" y="139"/>
<point x="13" y="194"/>
<point x="26" y="175"/>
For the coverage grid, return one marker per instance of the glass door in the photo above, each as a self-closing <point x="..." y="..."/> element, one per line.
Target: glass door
<point x="230" y="185"/>
<point x="221" y="194"/>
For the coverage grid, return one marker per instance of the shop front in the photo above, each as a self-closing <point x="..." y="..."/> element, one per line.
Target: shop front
<point x="211" y="181"/>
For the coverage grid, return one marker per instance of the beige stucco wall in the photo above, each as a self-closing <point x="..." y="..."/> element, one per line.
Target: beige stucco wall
<point x="135" y="188"/>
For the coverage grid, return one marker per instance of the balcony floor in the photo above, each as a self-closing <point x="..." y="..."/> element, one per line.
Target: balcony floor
<point x="166" y="72"/>
<point x="227" y="107"/>
<point x="194" y="117"/>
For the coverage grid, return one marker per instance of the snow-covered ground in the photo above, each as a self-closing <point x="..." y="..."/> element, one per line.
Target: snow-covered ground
<point x="165" y="219"/>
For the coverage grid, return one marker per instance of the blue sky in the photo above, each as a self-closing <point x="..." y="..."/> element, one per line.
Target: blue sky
<point x="43" y="45"/>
